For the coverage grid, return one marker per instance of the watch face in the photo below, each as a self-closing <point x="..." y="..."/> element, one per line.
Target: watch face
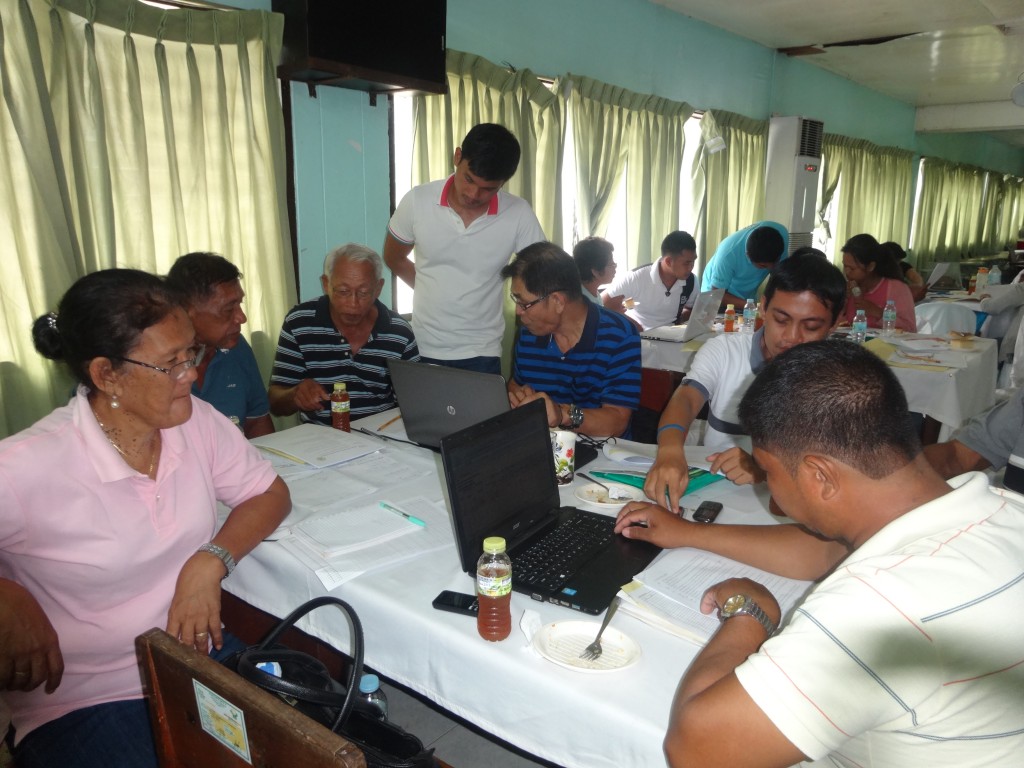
<point x="733" y="604"/>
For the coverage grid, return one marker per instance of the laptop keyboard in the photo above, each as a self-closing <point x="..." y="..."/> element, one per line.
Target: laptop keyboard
<point x="548" y="563"/>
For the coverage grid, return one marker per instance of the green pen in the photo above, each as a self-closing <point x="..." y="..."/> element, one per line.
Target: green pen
<point x="406" y="515"/>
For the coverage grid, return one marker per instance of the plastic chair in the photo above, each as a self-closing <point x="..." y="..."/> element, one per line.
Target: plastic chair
<point x="942" y="317"/>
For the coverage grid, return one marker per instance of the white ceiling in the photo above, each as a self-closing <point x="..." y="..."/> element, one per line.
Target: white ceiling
<point x="957" y="64"/>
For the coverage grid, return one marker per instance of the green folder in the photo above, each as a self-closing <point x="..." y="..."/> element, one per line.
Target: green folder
<point x="698" y="478"/>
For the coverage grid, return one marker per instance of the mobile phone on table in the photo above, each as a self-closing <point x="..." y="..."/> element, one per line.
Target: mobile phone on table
<point x="707" y="511"/>
<point x="457" y="602"/>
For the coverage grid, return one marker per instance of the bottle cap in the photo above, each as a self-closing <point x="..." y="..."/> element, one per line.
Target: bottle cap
<point x="339" y="386"/>
<point x="730" y="306"/>
<point x="494" y="544"/>
<point x="369" y="683"/>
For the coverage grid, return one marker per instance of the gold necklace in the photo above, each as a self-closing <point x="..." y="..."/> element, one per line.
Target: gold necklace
<point x="152" y="443"/>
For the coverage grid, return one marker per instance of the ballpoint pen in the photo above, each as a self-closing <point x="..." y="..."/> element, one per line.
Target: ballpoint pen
<point x="388" y="423"/>
<point x="406" y="515"/>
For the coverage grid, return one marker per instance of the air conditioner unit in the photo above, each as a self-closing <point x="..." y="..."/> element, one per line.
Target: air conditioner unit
<point x="791" y="176"/>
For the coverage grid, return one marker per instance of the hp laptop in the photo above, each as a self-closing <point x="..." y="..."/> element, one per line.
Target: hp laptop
<point x="437" y="400"/>
<point x="500" y="477"/>
<point x="702" y="320"/>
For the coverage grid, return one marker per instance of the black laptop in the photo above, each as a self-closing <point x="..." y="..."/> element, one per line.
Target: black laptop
<point x="500" y="476"/>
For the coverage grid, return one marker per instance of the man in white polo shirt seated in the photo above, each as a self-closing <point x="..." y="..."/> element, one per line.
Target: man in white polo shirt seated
<point x="661" y="293"/>
<point x="801" y="303"/>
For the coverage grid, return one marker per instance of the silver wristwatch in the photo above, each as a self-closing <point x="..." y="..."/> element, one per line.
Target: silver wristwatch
<point x="575" y="416"/>
<point x="223" y="554"/>
<point x="742" y="605"/>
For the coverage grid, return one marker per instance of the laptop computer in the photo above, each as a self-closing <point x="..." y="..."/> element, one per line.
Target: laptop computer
<point x="437" y="400"/>
<point x="702" y="320"/>
<point x="500" y="478"/>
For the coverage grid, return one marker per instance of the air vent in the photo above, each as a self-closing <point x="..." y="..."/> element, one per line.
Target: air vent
<point x="811" y="132"/>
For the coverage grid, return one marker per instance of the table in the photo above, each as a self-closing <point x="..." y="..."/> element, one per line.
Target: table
<point x="574" y="719"/>
<point x="949" y="396"/>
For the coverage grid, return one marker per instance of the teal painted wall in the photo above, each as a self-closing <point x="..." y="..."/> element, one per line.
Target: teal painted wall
<point x="341" y="142"/>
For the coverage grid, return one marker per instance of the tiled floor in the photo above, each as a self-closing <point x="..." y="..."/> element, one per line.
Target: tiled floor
<point x="457" y="743"/>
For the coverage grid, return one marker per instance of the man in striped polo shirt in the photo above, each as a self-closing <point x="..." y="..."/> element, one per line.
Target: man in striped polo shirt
<point x="582" y="360"/>
<point x="345" y="335"/>
<point x="907" y="649"/>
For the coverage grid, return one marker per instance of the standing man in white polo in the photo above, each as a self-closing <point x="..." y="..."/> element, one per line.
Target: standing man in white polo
<point x="464" y="230"/>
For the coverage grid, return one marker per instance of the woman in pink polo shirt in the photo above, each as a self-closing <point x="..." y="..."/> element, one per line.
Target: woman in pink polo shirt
<point x="874" y="278"/>
<point x="108" y="522"/>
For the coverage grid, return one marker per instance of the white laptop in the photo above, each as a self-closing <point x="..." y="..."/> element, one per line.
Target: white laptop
<point x="702" y="320"/>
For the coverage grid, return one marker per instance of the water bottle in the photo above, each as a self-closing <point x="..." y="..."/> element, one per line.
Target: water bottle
<point x="340" y="407"/>
<point x="860" y="327"/>
<point x="749" y="316"/>
<point x="995" y="275"/>
<point x="889" y="318"/>
<point x="981" y="282"/>
<point x="494" y="591"/>
<point x="369" y="690"/>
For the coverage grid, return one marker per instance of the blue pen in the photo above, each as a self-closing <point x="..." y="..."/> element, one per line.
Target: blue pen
<point x="406" y="515"/>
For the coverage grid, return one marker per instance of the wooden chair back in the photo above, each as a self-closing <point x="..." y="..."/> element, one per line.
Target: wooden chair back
<point x="206" y="716"/>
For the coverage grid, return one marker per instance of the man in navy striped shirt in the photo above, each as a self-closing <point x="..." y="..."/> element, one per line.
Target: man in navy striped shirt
<point x="345" y="335"/>
<point x="582" y="360"/>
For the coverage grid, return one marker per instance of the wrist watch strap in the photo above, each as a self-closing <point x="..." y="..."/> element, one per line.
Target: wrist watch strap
<point x="575" y="416"/>
<point x="752" y="609"/>
<point x="220" y="552"/>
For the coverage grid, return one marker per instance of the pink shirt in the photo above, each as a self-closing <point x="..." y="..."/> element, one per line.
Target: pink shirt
<point x="100" y="545"/>
<point x="887" y="289"/>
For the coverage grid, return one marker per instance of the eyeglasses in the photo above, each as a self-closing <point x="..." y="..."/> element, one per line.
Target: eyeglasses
<point x="361" y="295"/>
<point x="525" y="305"/>
<point x="176" y="371"/>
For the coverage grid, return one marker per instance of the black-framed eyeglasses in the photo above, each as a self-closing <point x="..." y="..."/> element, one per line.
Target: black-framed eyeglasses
<point x="525" y="305"/>
<point x="176" y="371"/>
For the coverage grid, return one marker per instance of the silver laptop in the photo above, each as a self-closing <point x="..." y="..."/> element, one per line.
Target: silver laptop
<point x="702" y="320"/>
<point x="436" y="400"/>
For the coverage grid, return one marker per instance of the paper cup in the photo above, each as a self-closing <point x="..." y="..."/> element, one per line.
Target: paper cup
<point x="563" y="446"/>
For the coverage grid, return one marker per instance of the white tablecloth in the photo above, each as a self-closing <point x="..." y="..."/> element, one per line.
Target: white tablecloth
<point x="572" y="718"/>
<point x="950" y="396"/>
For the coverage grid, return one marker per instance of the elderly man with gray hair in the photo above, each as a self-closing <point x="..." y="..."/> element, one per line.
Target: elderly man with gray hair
<point x="345" y="335"/>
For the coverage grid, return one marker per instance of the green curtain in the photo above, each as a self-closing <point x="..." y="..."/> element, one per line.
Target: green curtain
<point x="876" y="188"/>
<point x="947" y="222"/>
<point x="482" y="92"/>
<point x="1009" y="215"/>
<point x="130" y="135"/>
<point x="729" y="183"/>
<point x="654" y="159"/>
<point x="617" y="131"/>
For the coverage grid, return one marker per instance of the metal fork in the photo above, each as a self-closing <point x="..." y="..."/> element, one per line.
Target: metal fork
<point x="594" y="650"/>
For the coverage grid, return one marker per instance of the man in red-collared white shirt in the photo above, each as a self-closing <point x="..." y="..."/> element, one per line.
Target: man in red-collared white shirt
<point x="464" y="230"/>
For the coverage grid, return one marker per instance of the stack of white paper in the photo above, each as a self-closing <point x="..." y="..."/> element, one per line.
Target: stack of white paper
<point x="351" y="530"/>
<point x="317" y="445"/>
<point x="667" y="595"/>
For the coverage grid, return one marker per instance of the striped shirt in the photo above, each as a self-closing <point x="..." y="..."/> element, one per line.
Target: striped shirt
<point x="311" y="347"/>
<point x="910" y="652"/>
<point x="602" y="369"/>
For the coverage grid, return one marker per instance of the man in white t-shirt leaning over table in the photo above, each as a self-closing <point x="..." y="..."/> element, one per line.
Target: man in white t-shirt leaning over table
<point x="464" y="230"/>
<point x="801" y="303"/>
<point x="663" y="292"/>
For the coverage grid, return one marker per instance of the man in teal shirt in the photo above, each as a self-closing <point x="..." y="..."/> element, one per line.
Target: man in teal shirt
<point x="744" y="259"/>
<point x="229" y="379"/>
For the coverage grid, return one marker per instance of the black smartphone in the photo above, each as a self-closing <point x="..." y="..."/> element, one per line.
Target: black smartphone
<point x="707" y="512"/>
<point x="457" y="602"/>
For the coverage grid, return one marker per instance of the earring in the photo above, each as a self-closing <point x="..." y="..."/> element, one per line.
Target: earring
<point x="113" y="402"/>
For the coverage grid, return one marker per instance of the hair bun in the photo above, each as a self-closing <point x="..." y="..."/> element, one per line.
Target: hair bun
<point x="46" y="336"/>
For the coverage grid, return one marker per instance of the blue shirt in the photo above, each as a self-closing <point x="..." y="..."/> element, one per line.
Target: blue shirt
<point x="232" y="384"/>
<point x="602" y="369"/>
<point x="730" y="268"/>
